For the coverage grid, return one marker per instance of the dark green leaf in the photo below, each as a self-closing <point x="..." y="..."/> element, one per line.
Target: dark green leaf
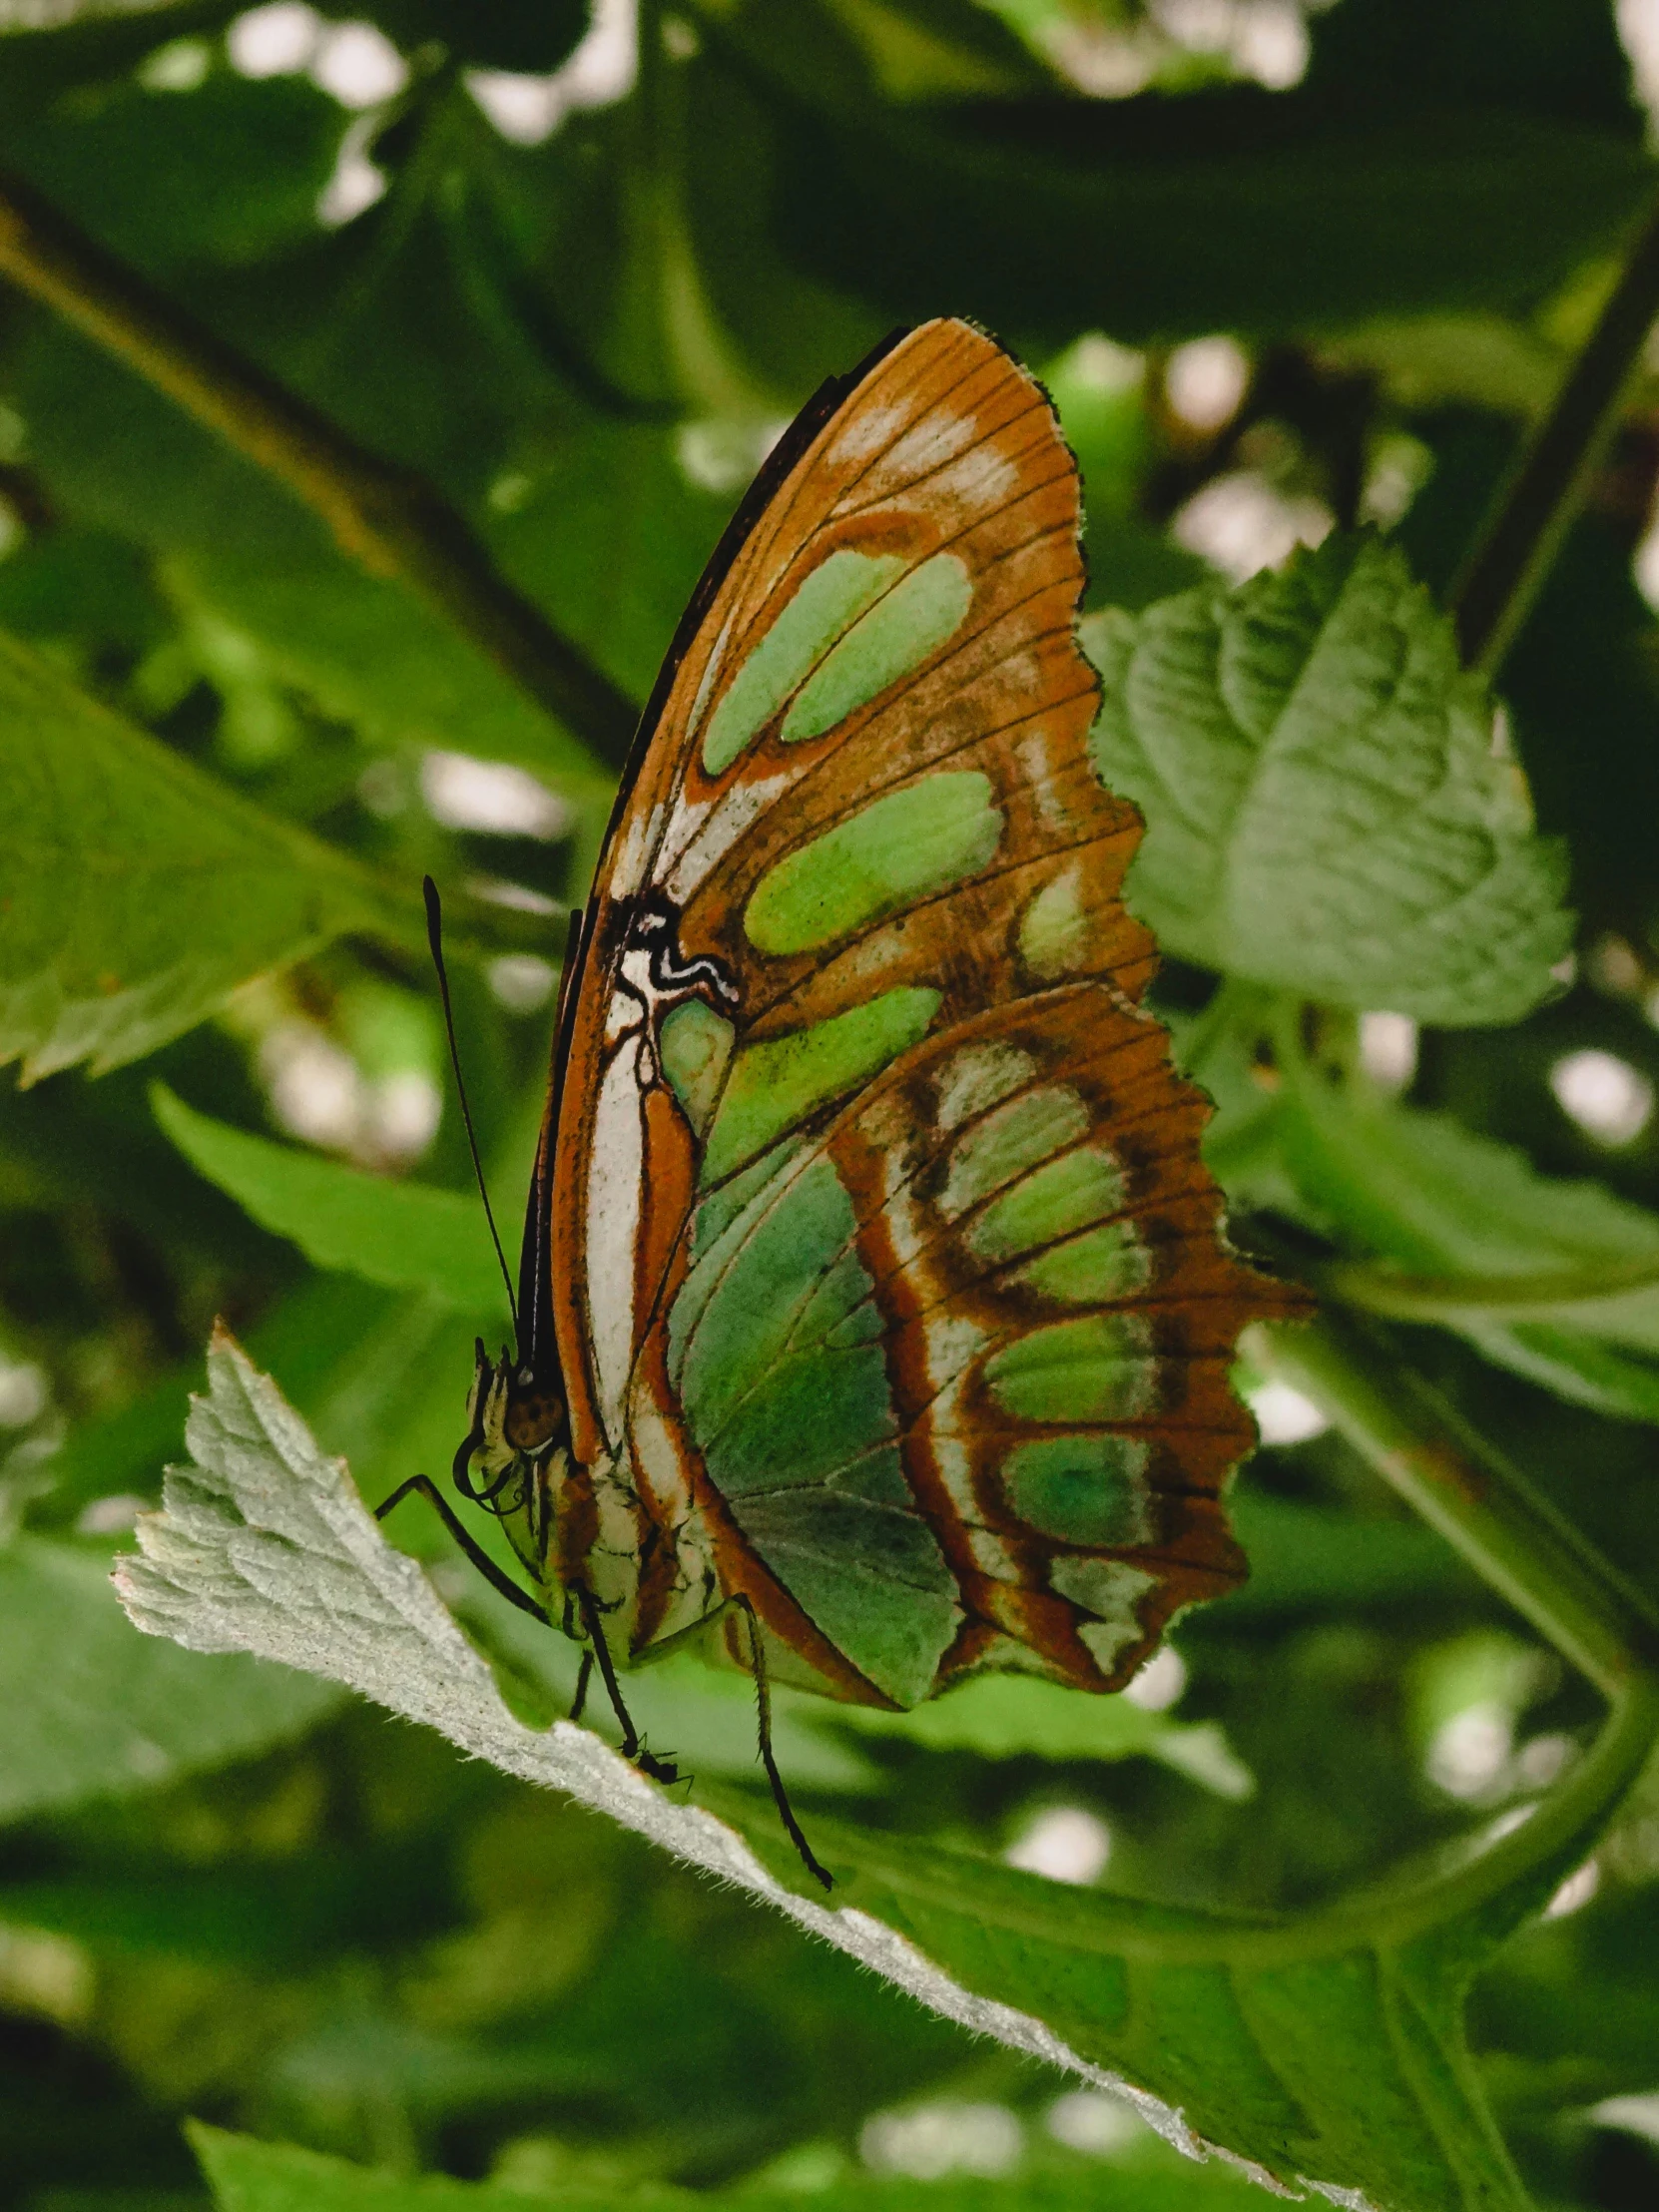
<point x="1535" y="56"/>
<point x="366" y="652"/>
<point x="1009" y="1716"/>
<point x="1163" y="217"/>
<point x="530" y="36"/>
<point x="93" y="46"/>
<point x="269" y="148"/>
<point x="251" y="2176"/>
<point x="1308" y="1558"/>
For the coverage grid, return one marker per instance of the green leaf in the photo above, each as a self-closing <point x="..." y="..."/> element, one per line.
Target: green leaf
<point x="1163" y="217"/>
<point x="624" y="486"/>
<point x="92" y="44"/>
<point x="1324" y="810"/>
<point x="269" y="148"/>
<point x="1429" y="1196"/>
<point x="365" y="651"/>
<point x="1530" y="55"/>
<point x="533" y="36"/>
<point x="708" y="1714"/>
<point x="138" y="891"/>
<point x="88" y="1711"/>
<point x="251" y="2176"/>
<point x="1324" y="2048"/>
<point x="1316" y="1560"/>
<point x="1010" y="1716"/>
<point x="938" y="49"/>
<point x="406" y="1236"/>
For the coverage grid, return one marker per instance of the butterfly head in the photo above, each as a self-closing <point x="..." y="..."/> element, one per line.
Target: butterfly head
<point x="513" y="1419"/>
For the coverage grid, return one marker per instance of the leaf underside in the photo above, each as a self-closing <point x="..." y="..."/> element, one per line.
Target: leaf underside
<point x="1328" y="2050"/>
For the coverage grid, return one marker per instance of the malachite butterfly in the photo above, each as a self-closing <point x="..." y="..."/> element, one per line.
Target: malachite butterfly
<point x="875" y="1319"/>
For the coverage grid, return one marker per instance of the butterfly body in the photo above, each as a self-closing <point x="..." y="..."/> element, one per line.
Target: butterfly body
<point x="871" y="1278"/>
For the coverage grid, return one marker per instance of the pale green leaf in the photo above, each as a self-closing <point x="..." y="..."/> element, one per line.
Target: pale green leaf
<point x="138" y="891"/>
<point x="1324" y="809"/>
<point x="1327" y="2049"/>
<point x="89" y="1710"/>
<point x="406" y="1236"/>
<point x="1439" y="1202"/>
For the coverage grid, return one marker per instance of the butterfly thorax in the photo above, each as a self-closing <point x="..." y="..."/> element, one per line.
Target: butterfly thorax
<point x="514" y="1459"/>
<point x="577" y="1526"/>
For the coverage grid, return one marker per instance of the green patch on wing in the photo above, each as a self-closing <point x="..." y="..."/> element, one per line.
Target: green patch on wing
<point x="831" y="600"/>
<point x="1098" y="1367"/>
<point x="1085" y="1488"/>
<point x="906" y="845"/>
<point x="911" y="621"/>
<point x="1054" y="933"/>
<point x="775" y="1348"/>
<point x="1109" y="1590"/>
<point x="1008" y="1142"/>
<point x="696" y="1048"/>
<point x="1106" y="1263"/>
<point x="775" y="1085"/>
<point x="1054" y="1200"/>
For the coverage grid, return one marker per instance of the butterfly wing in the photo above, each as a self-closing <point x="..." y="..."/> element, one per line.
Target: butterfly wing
<point x="865" y="856"/>
<point x="955" y="1367"/>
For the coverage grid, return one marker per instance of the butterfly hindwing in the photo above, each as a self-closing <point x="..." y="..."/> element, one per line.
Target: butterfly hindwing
<point x="934" y="1370"/>
<point x="955" y="1368"/>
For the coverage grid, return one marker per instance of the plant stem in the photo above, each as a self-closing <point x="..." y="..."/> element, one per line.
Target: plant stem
<point x="1485" y="1509"/>
<point x="1494" y="592"/>
<point x="1425" y="1298"/>
<point x="384" y="516"/>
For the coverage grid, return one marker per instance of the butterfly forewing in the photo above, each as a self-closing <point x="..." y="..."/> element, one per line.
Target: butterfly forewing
<point x="886" y="1277"/>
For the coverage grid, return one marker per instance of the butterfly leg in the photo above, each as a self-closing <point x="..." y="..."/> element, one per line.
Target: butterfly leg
<point x="659" y="1770"/>
<point x="584" y="1675"/>
<point x="762" y="1712"/>
<point x="698" y="1632"/>
<point x="422" y="1485"/>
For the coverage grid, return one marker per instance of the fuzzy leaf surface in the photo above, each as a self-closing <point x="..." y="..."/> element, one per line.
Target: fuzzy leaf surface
<point x="1325" y="2049"/>
<point x="1325" y="812"/>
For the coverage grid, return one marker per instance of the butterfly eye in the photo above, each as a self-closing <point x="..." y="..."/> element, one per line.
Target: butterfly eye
<point x="533" y="1421"/>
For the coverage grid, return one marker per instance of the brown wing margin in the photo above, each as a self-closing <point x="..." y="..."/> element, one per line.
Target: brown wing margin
<point x="537" y="1348"/>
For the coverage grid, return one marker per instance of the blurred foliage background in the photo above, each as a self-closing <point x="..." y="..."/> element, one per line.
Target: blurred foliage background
<point x="1285" y="266"/>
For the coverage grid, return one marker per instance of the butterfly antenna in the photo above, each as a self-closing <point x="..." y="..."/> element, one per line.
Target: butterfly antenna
<point x="434" y="938"/>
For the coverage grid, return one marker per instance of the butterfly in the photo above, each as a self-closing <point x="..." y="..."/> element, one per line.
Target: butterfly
<point x="874" y="1318"/>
